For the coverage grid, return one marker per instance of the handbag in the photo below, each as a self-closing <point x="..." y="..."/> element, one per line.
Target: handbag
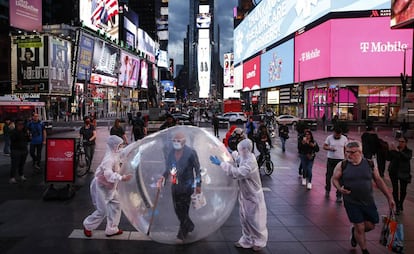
<point x="392" y="233"/>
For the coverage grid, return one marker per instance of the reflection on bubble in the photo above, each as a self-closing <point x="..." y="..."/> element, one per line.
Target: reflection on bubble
<point x="147" y="161"/>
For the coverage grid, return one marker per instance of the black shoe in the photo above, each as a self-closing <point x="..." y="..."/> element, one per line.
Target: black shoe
<point x="353" y="240"/>
<point x="365" y="251"/>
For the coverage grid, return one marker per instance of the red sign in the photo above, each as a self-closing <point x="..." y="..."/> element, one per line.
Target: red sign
<point x="60" y="160"/>
<point x="251" y="74"/>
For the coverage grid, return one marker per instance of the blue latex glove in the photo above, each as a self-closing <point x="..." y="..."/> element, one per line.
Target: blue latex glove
<point x="215" y="160"/>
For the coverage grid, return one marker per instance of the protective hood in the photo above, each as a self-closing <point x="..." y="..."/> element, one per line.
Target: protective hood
<point x="244" y="148"/>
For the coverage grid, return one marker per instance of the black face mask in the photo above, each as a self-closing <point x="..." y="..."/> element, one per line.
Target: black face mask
<point x="337" y="137"/>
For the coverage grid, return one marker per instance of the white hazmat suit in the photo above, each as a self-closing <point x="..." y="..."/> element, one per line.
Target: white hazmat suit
<point x="252" y="211"/>
<point x="104" y="190"/>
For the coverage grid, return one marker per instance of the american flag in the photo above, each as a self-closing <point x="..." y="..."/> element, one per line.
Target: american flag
<point x="103" y="11"/>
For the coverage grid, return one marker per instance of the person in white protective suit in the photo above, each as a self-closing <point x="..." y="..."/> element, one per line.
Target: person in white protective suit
<point x="104" y="191"/>
<point x="252" y="211"/>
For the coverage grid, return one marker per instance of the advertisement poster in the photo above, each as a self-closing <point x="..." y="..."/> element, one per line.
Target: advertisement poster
<point x="100" y="14"/>
<point x="32" y="58"/>
<point x="128" y="76"/>
<point x="60" y="78"/>
<point x="86" y="45"/>
<point x="60" y="160"/>
<point x="251" y="74"/>
<point x="26" y="15"/>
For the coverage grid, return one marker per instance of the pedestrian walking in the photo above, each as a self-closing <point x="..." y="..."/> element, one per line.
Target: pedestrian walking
<point x="118" y="130"/>
<point x="284" y="135"/>
<point x="7" y="128"/>
<point x="216" y="123"/>
<point x="87" y="134"/>
<point x="308" y="149"/>
<point x="138" y="127"/>
<point x="354" y="181"/>
<point x="37" y="133"/>
<point x="399" y="170"/>
<point x="251" y="130"/>
<point x="19" y="138"/>
<point x="104" y="192"/>
<point x="252" y="206"/>
<point x="335" y="145"/>
<point x="370" y="143"/>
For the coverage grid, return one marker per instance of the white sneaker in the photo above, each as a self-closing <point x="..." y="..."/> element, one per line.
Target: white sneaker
<point x="23" y="178"/>
<point x="309" y="186"/>
<point x="303" y="181"/>
<point x="12" y="180"/>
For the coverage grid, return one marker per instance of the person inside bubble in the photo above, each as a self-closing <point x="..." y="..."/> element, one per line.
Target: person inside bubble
<point x="183" y="171"/>
<point x="104" y="192"/>
<point x="252" y="206"/>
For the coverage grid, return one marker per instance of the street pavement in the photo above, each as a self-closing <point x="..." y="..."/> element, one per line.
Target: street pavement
<point x="299" y="220"/>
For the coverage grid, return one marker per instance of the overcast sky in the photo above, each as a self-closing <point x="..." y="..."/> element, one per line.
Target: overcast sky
<point x="178" y="19"/>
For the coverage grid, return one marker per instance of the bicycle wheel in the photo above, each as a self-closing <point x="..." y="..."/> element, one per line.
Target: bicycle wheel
<point x="82" y="165"/>
<point x="269" y="167"/>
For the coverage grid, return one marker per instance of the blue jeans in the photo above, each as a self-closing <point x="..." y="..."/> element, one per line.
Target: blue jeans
<point x="283" y="140"/>
<point x="307" y="166"/>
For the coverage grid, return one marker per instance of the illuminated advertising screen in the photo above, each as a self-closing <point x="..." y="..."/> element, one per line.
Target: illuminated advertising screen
<point x="402" y="13"/>
<point x="271" y="21"/>
<point x="60" y="66"/>
<point x="100" y="15"/>
<point x="162" y="60"/>
<point x="358" y="47"/>
<point x="104" y="62"/>
<point x="146" y="44"/>
<point x="228" y="71"/>
<point x="31" y="57"/>
<point x="60" y="160"/>
<point x="86" y="45"/>
<point x="168" y="86"/>
<point x="251" y="74"/>
<point x="130" y="65"/>
<point x="144" y="75"/>
<point x="203" y="61"/>
<point x="26" y="15"/>
<point x="238" y="77"/>
<point x="277" y="66"/>
<point x="130" y="23"/>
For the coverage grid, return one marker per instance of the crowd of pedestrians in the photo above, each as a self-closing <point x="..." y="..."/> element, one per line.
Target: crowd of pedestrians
<point x="350" y="169"/>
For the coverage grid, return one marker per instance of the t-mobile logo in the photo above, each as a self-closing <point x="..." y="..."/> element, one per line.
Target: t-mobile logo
<point x="379" y="46"/>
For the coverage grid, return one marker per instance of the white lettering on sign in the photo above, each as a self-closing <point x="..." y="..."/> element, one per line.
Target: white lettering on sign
<point x="308" y="55"/>
<point x="251" y="74"/>
<point x="379" y="46"/>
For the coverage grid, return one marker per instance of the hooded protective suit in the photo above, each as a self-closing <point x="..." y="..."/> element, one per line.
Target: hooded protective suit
<point x="252" y="209"/>
<point x="104" y="192"/>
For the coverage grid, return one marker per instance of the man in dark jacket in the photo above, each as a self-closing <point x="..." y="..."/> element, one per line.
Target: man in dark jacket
<point x="19" y="138"/>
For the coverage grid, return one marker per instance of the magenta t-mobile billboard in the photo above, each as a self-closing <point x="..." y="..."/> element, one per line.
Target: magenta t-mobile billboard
<point x="26" y="15"/>
<point x="357" y="47"/>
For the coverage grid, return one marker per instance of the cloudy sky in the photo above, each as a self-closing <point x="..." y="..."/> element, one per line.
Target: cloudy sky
<point x="178" y="19"/>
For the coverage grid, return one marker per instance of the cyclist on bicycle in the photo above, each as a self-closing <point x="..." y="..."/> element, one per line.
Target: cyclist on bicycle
<point x="88" y="136"/>
<point x="262" y="137"/>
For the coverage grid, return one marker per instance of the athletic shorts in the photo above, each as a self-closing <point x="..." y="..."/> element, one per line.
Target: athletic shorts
<point x="359" y="214"/>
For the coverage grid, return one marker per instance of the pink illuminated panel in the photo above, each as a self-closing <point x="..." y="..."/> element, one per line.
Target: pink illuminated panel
<point x="251" y="74"/>
<point x="368" y="47"/>
<point x="358" y="47"/>
<point x="312" y="53"/>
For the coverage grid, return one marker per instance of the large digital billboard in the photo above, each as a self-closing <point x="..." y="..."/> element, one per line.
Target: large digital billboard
<point x="30" y="55"/>
<point x="203" y="61"/>
<point x="26" y="15"/>
<point x="272" y="20"/>
<point x="251" y="74"/>
<point x="86" y="45"/>
<point x="104" y="62"/>
<point x="60" y="66"/>
<point x="228" y="70"/>
<point x="100" y="14"/>
<point x="277" y="66"/>
<point x="402" y="13"/>
<point x="357" y="47"/>
<point x="128" y="73"/>
<point x="130" y="24"/>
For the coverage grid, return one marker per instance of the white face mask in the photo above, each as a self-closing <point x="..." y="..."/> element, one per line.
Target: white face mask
<point x="177" y="145"/>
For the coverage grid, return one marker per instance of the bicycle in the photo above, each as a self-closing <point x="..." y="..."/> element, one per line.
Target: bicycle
<point x="266" y="163"/>
<point x="82" y="164"/>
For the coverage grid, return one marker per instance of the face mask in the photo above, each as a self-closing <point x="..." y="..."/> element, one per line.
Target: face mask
<point x="87" y="122"/>
<point x="177" y="145"/>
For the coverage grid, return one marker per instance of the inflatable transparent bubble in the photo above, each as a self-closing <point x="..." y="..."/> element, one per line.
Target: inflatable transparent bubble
<point x="146" y="160"/>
